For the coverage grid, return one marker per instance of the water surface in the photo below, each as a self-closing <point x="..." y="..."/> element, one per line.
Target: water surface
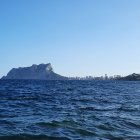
<point x="69" y="110"/>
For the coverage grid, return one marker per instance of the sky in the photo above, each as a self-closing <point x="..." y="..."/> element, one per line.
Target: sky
<point x="78" y="37"/>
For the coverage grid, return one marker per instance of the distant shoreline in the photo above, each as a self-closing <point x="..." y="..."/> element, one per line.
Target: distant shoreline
<point x="46" y="72"/>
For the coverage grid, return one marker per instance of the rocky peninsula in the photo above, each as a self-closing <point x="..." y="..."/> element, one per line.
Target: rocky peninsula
<point x="40" y="72"/>
<point x="45" y="72"/>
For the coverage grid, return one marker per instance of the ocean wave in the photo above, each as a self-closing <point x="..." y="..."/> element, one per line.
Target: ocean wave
<point x="70" y="110"/>
<point x="32" y="137"/>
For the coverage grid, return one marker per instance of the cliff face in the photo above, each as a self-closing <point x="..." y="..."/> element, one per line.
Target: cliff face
<point x="42" y="72"/>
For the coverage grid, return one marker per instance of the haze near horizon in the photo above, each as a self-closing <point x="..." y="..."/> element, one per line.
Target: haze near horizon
<point x="78" y="37"/>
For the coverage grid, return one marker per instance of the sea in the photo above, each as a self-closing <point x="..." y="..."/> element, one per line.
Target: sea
<point x="69" y="110"/>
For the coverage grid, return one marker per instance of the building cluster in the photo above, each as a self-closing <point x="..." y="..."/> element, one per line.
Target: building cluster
<point x="105" y="77"/>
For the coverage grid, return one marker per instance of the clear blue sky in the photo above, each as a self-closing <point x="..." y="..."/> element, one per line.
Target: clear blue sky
<point x="79" y="37"/>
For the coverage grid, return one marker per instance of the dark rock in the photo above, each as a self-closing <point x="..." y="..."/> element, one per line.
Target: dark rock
<point x="131" y="77"/>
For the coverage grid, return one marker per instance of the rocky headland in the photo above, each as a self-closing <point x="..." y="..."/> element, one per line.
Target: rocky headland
<point x="40" y="72"/>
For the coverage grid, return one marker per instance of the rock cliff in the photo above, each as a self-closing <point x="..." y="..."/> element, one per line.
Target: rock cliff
<point x="42" y="72"/>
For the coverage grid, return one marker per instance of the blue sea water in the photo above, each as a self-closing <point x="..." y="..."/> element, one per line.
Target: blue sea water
<point x="69" y="110"/>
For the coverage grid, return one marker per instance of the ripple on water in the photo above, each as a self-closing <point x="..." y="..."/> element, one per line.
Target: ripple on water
<point x="32" y="137"/>
<point x="81" y="110"/>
